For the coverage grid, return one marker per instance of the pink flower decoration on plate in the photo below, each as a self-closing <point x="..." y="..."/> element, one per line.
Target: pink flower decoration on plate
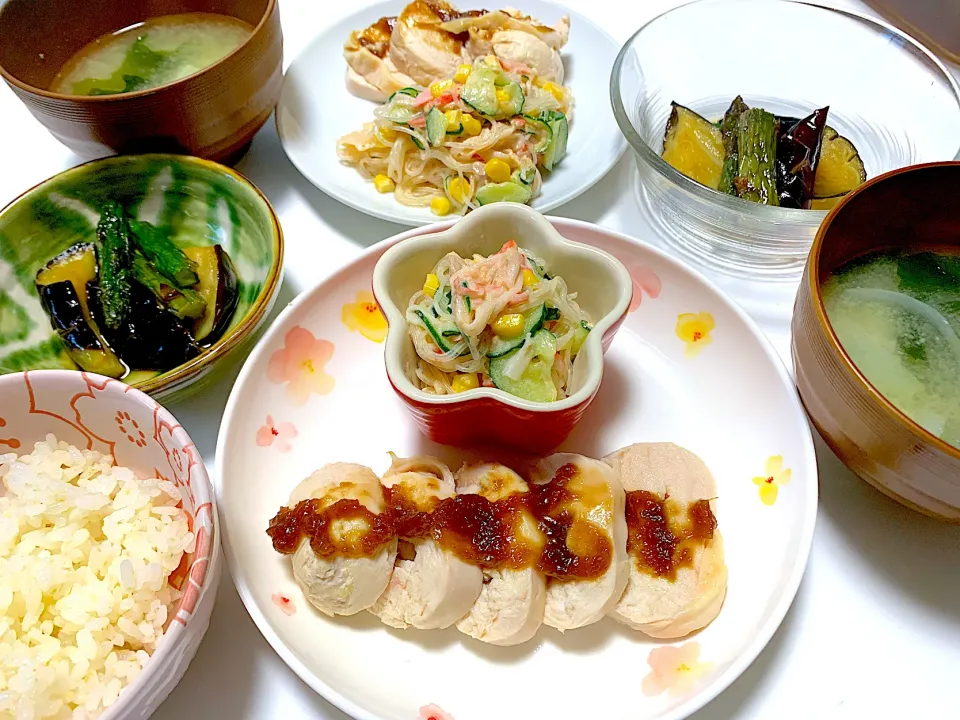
<point x="646" y="281"/>
<point x="300" y="364"/>
<point x="673" y="669"/>
<point x="284" y="603"/>
<point x="276" y="434"/>
<point x="433" y="712"/>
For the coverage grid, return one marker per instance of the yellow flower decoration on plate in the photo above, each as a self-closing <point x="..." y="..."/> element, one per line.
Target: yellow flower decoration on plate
<point x="364" y="317"/>
<point x="694" y="329"/>
<point x="776" y="477"/>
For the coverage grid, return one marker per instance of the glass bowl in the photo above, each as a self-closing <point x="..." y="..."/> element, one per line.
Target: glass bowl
<point x="887" y="94"/>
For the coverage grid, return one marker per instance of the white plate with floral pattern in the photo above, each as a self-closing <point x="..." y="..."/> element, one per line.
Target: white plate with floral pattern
<point x="316" y="109"/>
<point x="687" y="366"/>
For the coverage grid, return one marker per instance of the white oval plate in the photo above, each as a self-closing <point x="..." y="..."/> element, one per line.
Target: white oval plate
<point x="328" y="399"/>
<point x="316" y="110"/>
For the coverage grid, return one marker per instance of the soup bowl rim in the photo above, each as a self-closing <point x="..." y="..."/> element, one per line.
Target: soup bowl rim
<point x="850" y="367"/>
<point x="43" y="92"/>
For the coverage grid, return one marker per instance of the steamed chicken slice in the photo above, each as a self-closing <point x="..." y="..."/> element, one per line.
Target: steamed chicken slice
<point x="597" y="509"/>
<point x="509" y="610"/>
<point x="431" y="38"/>
<point x="433" y="588"/>
<point x="517" y="40"/>
<point x="341" y="585"/>
<point x="420" y="47"/>
<point x="371" y="73"/>
<point x="659" y="606"/>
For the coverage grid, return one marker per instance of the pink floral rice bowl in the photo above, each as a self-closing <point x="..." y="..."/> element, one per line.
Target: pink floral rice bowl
<point x="92" y="412"/>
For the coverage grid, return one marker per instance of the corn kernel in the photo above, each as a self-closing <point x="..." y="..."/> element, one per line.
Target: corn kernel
<point x="492" y="61"/>
<point x="440" y="87"/>
<point x="497" y="170"/>
<point x="553" y="89"/>
<point x="440" y="206"/>
<point x="453" y="120"/>
<point x="463" y="382"/>
<point x="471" y="126"/>
<point x="431" y="284"/>
<point x="463" y="72"/>
<point x="509" y="325"/>
<point x="458" y="189"/>
<point x="383" y="184"/>
<point x="529" y="277"/>
<point x="388" y="134"/>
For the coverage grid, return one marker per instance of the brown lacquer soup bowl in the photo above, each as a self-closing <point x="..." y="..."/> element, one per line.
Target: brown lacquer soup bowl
<point x="213" y="113"/>
<point x="913" y="208"/>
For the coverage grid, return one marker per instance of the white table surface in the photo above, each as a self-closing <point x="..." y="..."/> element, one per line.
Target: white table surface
<point x="875" y="629"/>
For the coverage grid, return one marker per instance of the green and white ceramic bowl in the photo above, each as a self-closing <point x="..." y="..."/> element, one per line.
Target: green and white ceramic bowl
<point x="198" y="201"/>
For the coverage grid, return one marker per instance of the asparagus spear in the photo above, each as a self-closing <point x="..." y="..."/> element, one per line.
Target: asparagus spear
<point x="729" y="129"/>
<point x="161" y="251"/>
<point x="182" y="302"/>
<point x="757" y="151"/>
<point x="113" y="255"/>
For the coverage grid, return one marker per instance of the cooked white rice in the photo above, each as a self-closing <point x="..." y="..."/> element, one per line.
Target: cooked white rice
<point x="85" y="552"/>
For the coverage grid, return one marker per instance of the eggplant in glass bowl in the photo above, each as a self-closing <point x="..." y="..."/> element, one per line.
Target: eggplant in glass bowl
<point x="750" y="119"/>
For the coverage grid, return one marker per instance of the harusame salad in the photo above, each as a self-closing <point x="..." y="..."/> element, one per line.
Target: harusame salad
<point x="499" y="321"/>
<point x="485" y="135"/>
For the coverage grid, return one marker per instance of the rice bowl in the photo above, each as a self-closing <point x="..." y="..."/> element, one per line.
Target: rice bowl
<point x="109" y="549"/>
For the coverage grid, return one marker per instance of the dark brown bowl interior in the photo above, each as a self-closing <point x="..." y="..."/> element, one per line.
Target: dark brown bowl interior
<point x="212" y="114"/>
<point x="908" y="209"/>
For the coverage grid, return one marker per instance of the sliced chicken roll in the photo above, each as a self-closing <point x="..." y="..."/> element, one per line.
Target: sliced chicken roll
<point x="517" y="40"/>
<point x="509" y="610"/>
<point x="678" y="578"/>
<point x="431" y="587"/>
<point x="371" y="73"/>
<point x="420" y="48"/>
<point x="341" y="585"/>
<point x="580" y="506"/>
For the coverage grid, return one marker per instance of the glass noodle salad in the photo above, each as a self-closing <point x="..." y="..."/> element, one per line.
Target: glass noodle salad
<point x="499" y="321"/>
<point x="483" y="136"/>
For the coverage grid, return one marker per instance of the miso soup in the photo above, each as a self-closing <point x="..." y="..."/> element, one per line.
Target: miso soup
<point x="898" y="318"/>
<point x="153" y="53"/>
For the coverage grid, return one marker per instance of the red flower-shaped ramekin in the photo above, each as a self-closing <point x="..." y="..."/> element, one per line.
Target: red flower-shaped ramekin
<point x="490" y="416"/>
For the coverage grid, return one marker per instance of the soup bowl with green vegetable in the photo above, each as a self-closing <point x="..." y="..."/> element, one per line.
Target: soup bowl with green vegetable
<point x="198" y="77"/>
<point x="152" y="269"/>
<point x="876" y="335"/>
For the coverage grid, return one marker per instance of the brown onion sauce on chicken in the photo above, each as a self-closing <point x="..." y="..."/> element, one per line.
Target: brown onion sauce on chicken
<point x="662" y="535"/>
<point x="542" y="528"/>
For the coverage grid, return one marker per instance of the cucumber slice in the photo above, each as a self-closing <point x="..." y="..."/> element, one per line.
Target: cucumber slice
<point x="480" y="90"/>
<point x="579" y="337"/>
<point x="541" y="130"/>
<point x="536" y="382"/>
<point x="409" y="91"/>
<point x="532" y="324"/>
<point x="515" y="99"/>
<point x="416" y="141"/>
<point x="436" y="127"/>
<point x="456" y="131"/>
<point x="504" y="192"/>
<point x="399" y="112"/>
<point x="437" y="336"/>
<point x="524" y="176"/>
<point x="558" y="147"/>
